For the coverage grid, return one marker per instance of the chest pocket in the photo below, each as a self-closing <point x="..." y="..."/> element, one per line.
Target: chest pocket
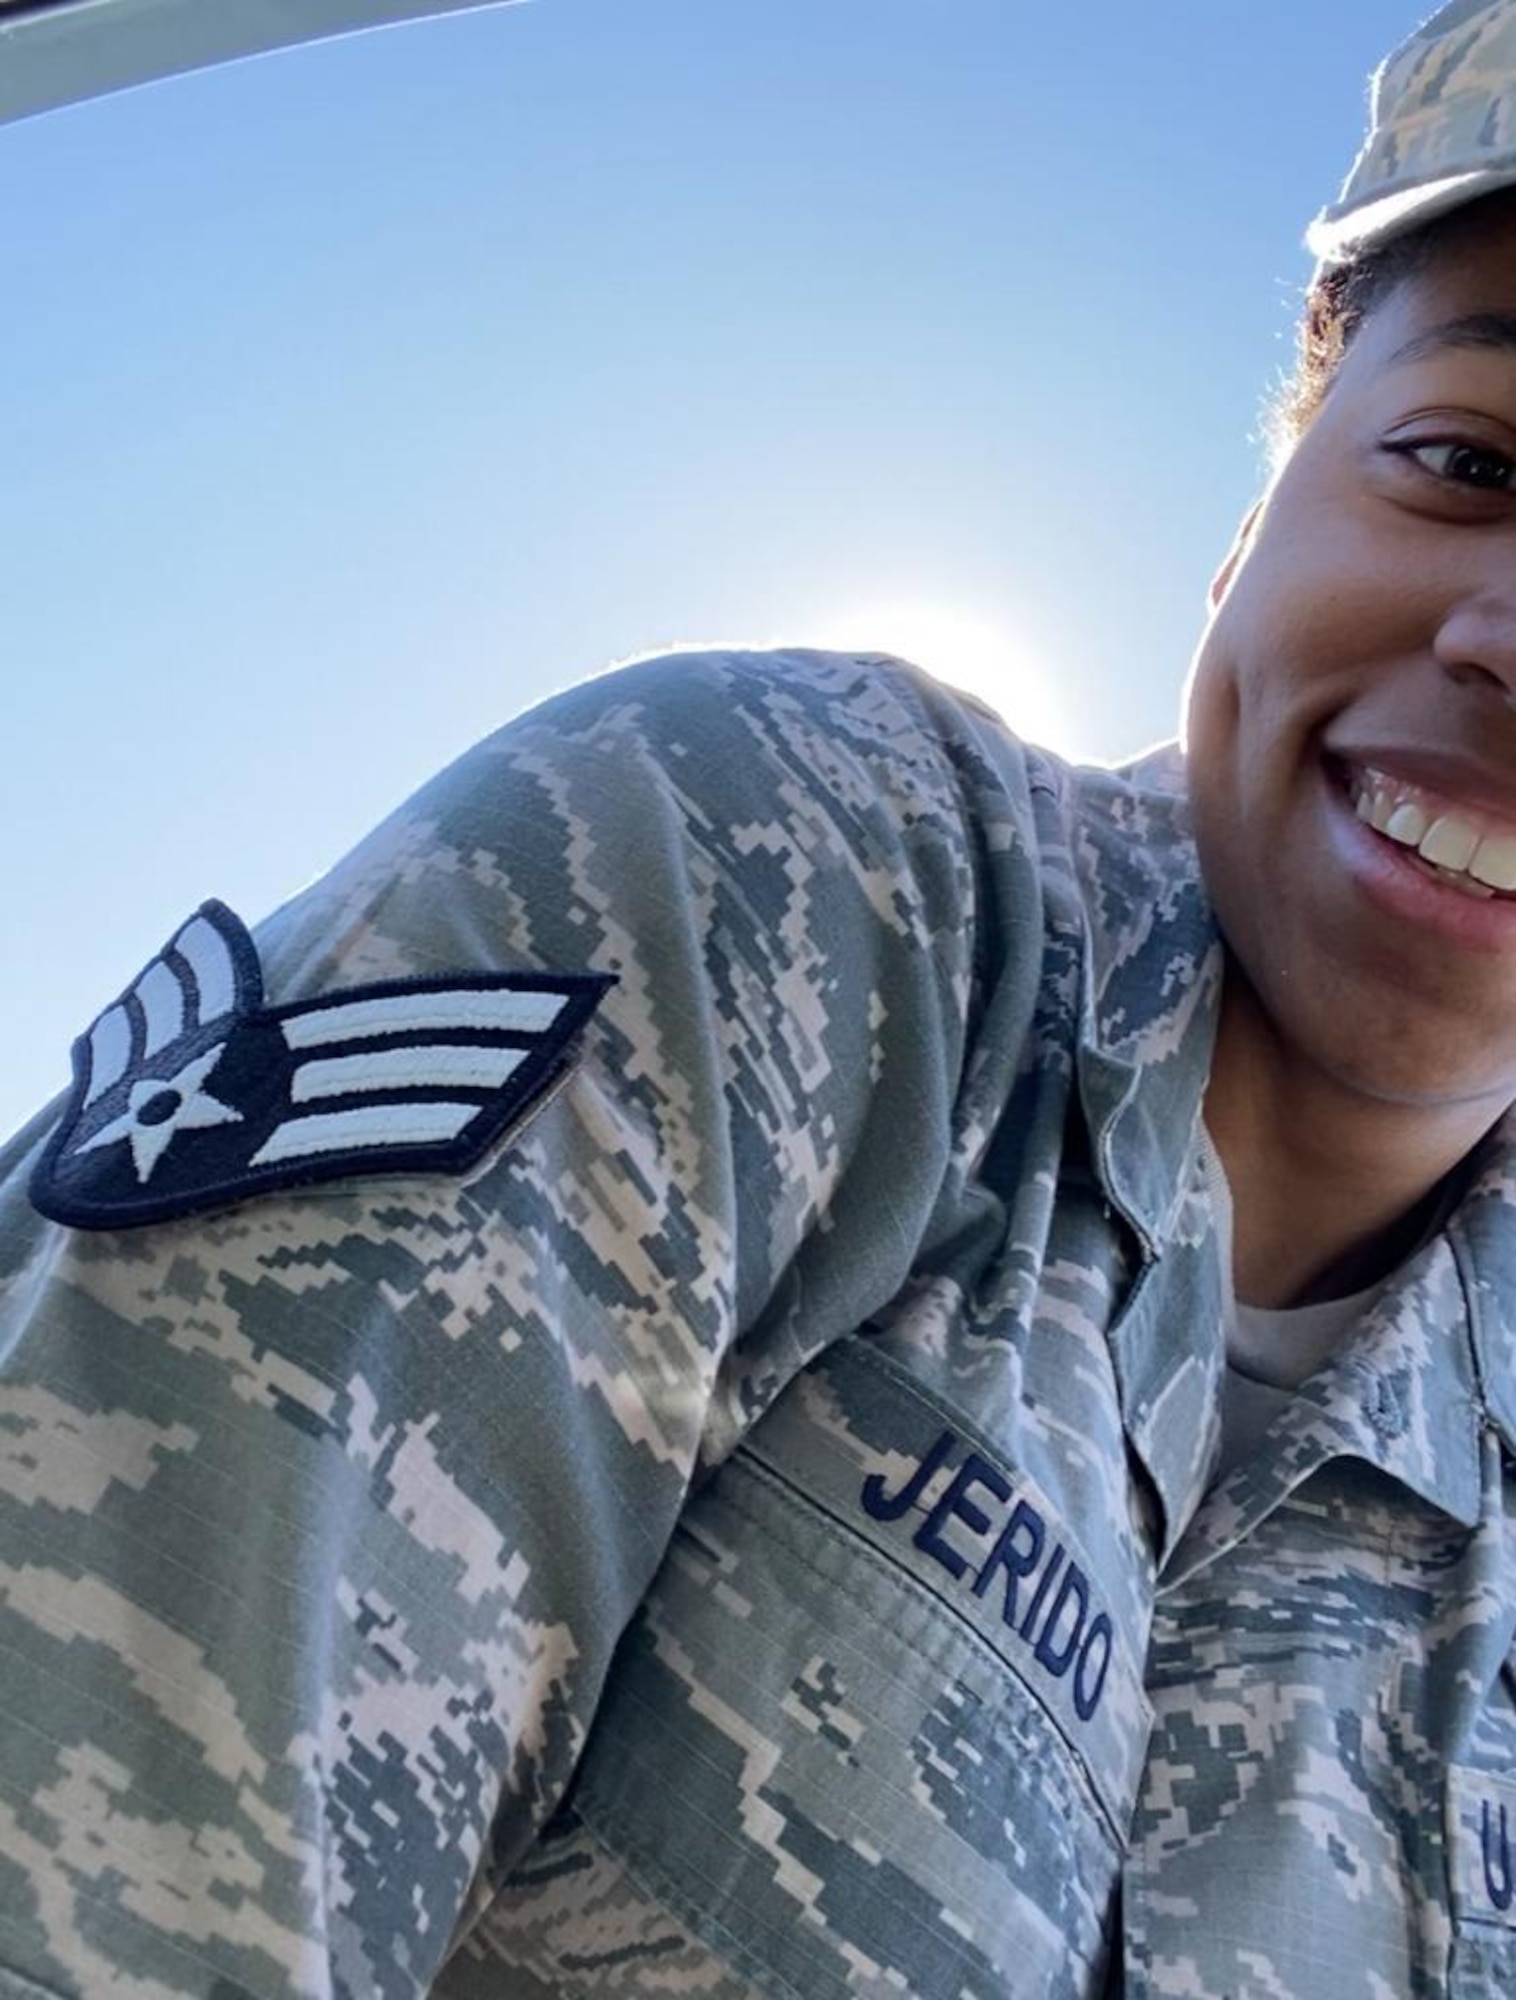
<point x="873" y="1730"/>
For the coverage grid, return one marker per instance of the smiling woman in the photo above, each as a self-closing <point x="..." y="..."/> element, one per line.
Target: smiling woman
<point x="1366" y="637"/>
<point x="779" y="1344"/>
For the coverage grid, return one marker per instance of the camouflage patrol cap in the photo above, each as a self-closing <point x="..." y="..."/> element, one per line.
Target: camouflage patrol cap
<point x="1442" y="130"/>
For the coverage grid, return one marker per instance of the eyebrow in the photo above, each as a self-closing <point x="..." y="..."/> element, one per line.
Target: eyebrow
<point x="1490" y="330"/>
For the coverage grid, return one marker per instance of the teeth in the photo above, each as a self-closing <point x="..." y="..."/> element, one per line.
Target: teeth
<point x="1495" y="861"/>
<point x="1449" y="843"/>
<point x="1407" y="823"/>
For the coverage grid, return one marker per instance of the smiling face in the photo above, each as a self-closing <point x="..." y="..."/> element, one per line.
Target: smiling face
<point x="1362" y="661"/>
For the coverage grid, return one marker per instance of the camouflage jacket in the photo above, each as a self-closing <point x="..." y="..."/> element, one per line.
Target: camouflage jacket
<point x="749" y="1531"/>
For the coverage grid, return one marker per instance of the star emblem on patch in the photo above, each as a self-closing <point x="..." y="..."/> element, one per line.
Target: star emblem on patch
<point x="158" y="1108"/>
<point x="191" y="1093"/>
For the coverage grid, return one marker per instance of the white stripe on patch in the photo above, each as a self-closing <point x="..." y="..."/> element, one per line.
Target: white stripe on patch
<point x="110" y="1050"/>
<point x="425" y="1013"/>
<point x="210" y="961"/>
<point x="161" y="998"/>
<point x="437" y="1065"/>
<point x="369" y="1125"/>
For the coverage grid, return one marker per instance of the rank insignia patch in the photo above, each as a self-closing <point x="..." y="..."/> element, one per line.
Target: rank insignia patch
<point x="190" y="1093"/>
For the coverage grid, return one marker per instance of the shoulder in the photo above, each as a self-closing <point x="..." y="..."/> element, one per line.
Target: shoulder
<point x="869" y="703"/>
<point x="761" y="748"/>
<point x="1128" y="825"/>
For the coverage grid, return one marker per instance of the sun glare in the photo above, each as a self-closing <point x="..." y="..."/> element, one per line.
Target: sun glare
<point x="967" y="653"/>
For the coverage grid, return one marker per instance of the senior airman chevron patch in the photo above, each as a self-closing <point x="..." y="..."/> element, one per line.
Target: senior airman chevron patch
<point x="190" y="1093"/>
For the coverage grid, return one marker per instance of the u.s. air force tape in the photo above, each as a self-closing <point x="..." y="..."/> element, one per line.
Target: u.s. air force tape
<point x="190" y="1093"/>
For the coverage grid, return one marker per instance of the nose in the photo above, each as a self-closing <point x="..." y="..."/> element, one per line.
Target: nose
<point x="1476" y="643"/>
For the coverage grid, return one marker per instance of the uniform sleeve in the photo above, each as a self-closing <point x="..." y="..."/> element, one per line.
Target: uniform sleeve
<point x="321" y="1513"/>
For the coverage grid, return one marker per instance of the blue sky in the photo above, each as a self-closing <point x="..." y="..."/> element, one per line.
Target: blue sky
<point x="356" y="397"/>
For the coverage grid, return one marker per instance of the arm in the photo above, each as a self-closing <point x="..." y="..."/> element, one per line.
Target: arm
<point x="321" y="1514"/>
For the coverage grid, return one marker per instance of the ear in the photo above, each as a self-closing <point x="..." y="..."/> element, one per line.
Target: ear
<point x="1222" y="581"/>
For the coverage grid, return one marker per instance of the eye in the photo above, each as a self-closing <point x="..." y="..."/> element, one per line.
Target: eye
<point x="1461" y="464"/>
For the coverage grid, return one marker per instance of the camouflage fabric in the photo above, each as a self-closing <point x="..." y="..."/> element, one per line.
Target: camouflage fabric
<point x="1442" y="129"/>
<point x="754" y="1534"/>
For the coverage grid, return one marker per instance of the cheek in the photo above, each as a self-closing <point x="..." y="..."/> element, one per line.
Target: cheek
<point x="1214" y="762"/>
<point x="1228" y="692"/>
<point x="1336" y="584"/>
<point x="1283" y="653"/>
<point x="1211" y="708"/>
<point x="1249" y="724"/>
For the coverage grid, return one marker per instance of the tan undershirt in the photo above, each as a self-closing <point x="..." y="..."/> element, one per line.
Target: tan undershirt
<point x="1269" y="1353"/>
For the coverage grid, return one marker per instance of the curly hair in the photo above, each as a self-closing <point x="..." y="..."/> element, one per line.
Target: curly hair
<point x="1342" y="298"/>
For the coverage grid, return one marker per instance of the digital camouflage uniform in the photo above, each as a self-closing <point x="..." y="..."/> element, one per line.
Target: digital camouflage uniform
<point x="751" y="1532"/>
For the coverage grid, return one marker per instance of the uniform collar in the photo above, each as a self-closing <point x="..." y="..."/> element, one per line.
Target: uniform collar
<point x="1152" y="985"/>
<point x="1483" y="1236"/>
<point x="1401" y="1396"/>
<point x="1148" y="1008"/>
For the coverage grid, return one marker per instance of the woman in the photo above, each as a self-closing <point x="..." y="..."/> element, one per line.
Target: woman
<point x="777" y="1347"/>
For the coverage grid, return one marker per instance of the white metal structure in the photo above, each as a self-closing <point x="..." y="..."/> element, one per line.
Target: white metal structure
<point x="57" y="52"/>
